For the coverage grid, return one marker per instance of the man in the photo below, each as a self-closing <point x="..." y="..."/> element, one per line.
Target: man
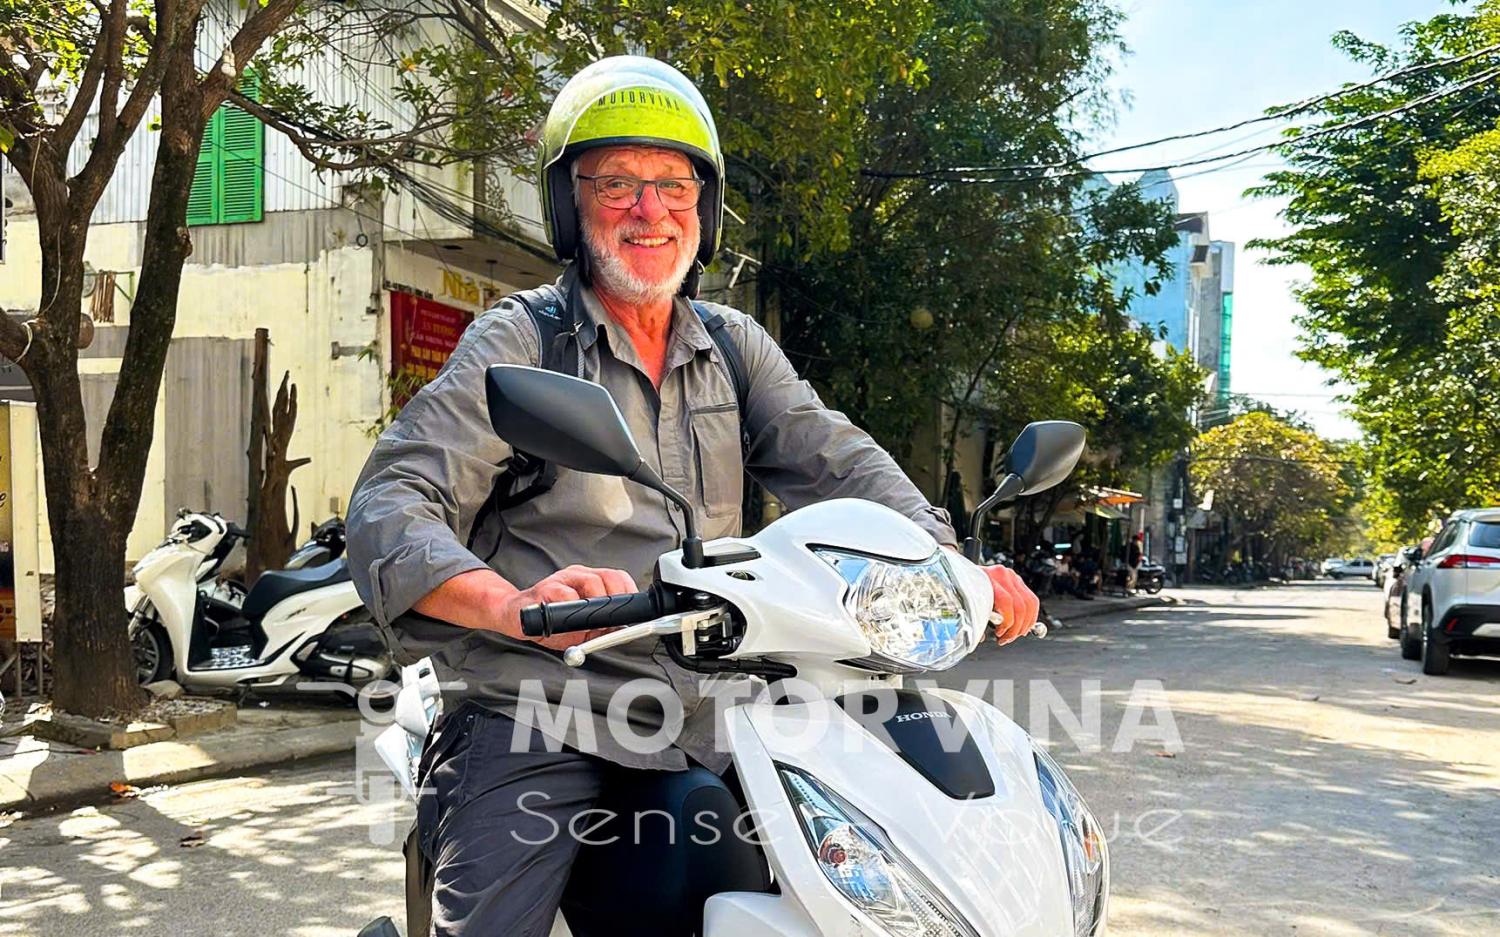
<point x="632" y="190"/>
<point x="1135" y="554"/>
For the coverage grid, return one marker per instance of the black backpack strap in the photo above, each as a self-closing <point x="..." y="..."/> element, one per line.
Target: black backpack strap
<point x="556" y="327"/>
<point x="734" y="363"/>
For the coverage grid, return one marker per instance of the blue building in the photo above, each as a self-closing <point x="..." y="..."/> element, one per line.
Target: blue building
<point x="1194" y="306"/>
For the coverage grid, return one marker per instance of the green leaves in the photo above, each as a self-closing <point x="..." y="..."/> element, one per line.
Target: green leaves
<point x="1396" y="219"/>
<point x="1274" y="480"/>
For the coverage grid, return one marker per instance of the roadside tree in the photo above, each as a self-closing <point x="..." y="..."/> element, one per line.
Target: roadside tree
<point x="1394" y="215"/>
<point x="1283" y="489"/>
<point x="63" y="61"/>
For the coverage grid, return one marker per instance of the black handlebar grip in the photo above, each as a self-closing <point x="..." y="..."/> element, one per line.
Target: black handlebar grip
<point x="235" y="530"/>
<point x="541" y="621"/>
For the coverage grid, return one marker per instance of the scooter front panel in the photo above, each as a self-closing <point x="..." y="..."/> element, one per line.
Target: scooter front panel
<point x="742" y="914"/>
<point x="996" y="859"/>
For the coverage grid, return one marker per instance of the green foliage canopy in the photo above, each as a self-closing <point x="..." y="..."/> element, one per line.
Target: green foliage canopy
<point x="1395" y="217"/>
<point x="1273" y="480"/>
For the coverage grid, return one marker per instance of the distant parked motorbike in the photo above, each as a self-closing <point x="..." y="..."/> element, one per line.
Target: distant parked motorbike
<point x="1038" y="570"/>
<point x="292" y="624"/>
<point x="1044" y="617"/>
<point x="1150" y="578"/>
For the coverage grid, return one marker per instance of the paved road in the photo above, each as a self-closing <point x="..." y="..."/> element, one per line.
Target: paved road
<point x="1322" y="786"/>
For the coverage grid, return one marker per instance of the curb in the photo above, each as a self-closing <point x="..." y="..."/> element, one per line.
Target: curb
<point x="1126" y="605"/>
<point x="75" y="780"/>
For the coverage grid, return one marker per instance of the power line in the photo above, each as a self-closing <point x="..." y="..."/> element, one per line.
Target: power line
<point x="948" y="174"/>
<point x="1299" y="107"/>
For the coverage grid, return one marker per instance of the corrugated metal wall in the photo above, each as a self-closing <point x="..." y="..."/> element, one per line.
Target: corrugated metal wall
<point x="291" y="183"/>
<point x="206" y="389"/>
<point x="207" y="384"/>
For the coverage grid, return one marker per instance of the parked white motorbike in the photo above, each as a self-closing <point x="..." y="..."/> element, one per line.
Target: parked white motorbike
<point x="928" y="813"/>
<point x="153" y="656"/>
<point x="290" y="625"/>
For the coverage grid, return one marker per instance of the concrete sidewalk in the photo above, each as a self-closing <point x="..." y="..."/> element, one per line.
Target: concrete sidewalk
<point x="1070" y="610"/>
<point x="37" y="775"/>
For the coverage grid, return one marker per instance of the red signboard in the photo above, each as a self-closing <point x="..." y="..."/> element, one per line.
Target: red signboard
<point x="423" y="335"/>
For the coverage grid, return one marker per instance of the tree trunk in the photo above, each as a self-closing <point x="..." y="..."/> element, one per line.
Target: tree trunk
<point x="91" y="513"/>
<point x="94" y="672"/>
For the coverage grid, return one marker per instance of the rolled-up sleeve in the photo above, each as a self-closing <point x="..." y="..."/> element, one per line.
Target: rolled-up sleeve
<point x="430" y="472"/>
<point x="804" y="452"/>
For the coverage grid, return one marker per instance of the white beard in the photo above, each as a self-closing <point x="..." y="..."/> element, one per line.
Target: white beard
<point x="611" y="272"/>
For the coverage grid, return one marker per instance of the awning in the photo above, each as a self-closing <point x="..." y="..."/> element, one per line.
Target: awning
<point x="1113" y="496"/>
<point x="1105" y="511"/>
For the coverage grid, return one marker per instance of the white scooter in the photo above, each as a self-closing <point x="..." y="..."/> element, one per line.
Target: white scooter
<point x="292" y="624"/>
<point x="928" y="813"/>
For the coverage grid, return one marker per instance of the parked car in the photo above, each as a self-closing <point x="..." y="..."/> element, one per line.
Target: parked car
<point x="1451" y="604"/>
<point x="1394" y="587"/>
<point x="1330" y="564"/>
<point x="1361" y="567"/>
<point x="1383" y="564"/>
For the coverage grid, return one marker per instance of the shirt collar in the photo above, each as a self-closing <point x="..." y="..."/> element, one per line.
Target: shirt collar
<point x="687" y="328"/>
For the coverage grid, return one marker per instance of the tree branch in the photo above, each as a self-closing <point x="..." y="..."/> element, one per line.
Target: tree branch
<point x="87" y="86"/>
<point x="378" y="151"/>
<point x="111" y="40"/>
<point x="13" y="339"/>
<point x="262" y="23"/>
<point x="175" y="23"/>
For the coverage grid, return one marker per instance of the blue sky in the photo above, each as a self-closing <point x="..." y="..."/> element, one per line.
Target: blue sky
<point x="1197" y="64"/>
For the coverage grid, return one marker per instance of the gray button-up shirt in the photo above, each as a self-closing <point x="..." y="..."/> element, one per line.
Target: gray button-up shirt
<point x="416" y="501"/>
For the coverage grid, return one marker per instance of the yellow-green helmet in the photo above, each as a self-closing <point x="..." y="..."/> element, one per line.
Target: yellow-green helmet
<point x="621" y="100"/>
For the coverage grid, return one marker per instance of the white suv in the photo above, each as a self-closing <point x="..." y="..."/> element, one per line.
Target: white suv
<point x="1452" y="600"/>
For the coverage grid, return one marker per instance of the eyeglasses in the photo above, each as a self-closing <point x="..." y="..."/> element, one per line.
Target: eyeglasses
<point x="626" y="191"/>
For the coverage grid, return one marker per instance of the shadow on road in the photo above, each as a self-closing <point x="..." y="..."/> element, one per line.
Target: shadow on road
<point x="267" y="863"/>
<point x="1313" y="793"/>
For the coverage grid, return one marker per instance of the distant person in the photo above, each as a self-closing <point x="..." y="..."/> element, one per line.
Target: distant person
<point x="1134" y="555"/>
<point x="1088" y="573"/>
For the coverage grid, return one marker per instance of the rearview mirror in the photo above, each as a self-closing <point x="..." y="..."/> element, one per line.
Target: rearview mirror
<point x="1044" y="454"/>
<point x="1041" y="456"/>
<point x="560" y="419"/>
<point x="574" y="423"/>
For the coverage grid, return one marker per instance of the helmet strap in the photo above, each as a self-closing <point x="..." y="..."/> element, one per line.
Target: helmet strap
<point x="585" y="264"/>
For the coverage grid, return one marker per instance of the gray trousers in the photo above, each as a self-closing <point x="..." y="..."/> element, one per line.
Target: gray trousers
<point x="491" y="845"/>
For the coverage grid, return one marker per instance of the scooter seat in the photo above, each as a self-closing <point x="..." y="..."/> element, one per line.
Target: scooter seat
<point x="275" y="585"/>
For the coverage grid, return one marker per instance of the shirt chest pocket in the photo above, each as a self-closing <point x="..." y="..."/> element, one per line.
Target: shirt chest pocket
<point x="716" y="444"/>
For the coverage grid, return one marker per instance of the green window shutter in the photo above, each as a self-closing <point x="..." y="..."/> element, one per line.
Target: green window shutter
<point x="241" y="152"/>
<point x="201" y="199"/>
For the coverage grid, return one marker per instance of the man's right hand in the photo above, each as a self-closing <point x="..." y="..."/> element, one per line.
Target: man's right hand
<point x="565" y="585"/>
<point x="483" y="599"/>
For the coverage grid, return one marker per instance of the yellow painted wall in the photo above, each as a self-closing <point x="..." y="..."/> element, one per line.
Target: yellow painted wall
<point x="306" y="306"/>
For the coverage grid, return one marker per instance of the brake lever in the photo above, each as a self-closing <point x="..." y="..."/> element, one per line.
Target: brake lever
<point x="1038" y="630"/>
<point x="575" y="655"/>
<point x="683" y="623"/>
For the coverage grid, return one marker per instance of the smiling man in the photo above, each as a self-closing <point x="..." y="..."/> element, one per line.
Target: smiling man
<point x="632" y="189"/>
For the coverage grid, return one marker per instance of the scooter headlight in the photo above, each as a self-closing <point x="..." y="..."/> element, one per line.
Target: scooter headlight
<point x="913" y="614"/>
<point x="1085" y="853"/>
<point x="859" y="859"/>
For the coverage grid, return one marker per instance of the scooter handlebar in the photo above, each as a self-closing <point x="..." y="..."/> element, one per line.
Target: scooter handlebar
<point x="611" y="611"/>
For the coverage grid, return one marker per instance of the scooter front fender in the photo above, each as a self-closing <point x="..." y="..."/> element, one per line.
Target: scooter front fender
<point x="997" y="859"/>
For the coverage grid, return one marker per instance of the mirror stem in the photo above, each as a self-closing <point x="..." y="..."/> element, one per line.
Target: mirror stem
<point x="692" y="546"/>
<point x="1010" y="486"/>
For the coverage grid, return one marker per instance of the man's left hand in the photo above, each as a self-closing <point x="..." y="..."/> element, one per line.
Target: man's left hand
<point x="1016" y="606"/>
